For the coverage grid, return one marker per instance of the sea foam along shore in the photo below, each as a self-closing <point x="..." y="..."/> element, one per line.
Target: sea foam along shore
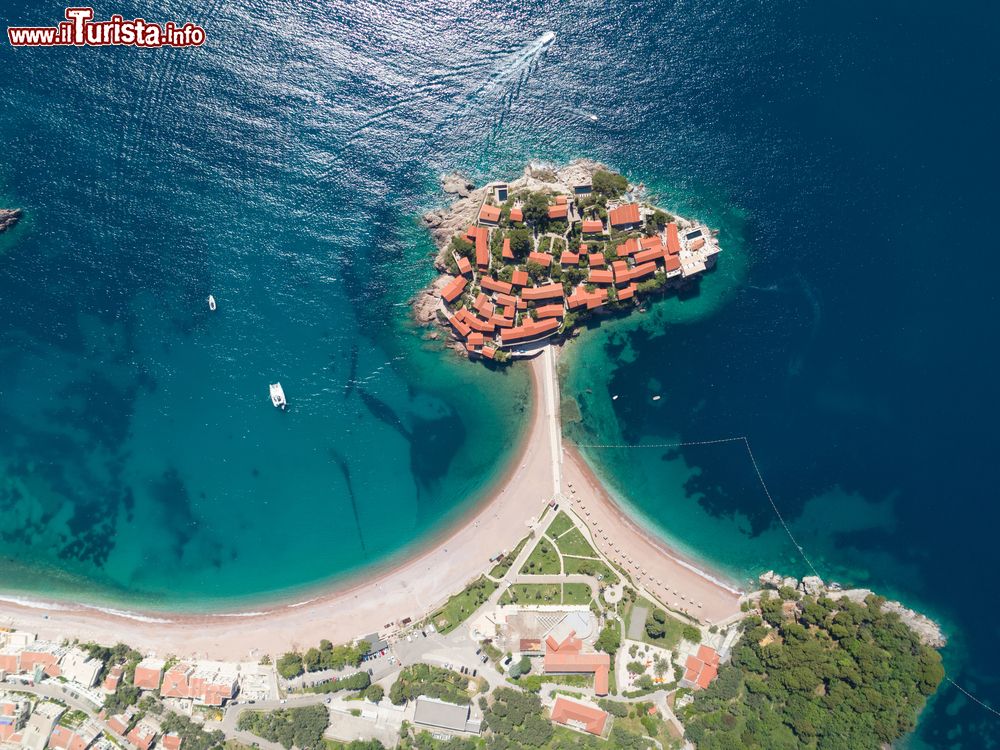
<point x="408" y="588"/>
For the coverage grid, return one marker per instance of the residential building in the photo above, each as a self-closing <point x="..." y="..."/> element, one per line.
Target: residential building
<point x="579" y="715"/>
<point x="431" y="712"/>
<point x="148" y="673"/>
<point x="567" y="657"/>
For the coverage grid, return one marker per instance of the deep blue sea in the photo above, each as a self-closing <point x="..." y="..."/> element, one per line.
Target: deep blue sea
<point x="846" y="151"/>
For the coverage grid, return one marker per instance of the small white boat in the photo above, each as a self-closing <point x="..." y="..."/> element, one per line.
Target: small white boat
<point x="278" y="396"/>
<point x="211" y="303"/>
<point x="656" y="398"/>
<point x="615" y="397"/>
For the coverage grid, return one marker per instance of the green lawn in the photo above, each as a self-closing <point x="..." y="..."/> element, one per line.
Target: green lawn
<point x="533" y="593"/>
<point x="589" y="567"/>
<point x="672" y="627"/>
<point x="559" y="524"/>
<point x="544" y="560"/>
<point x="457" y="609"/>
<point x="576" y="593"/>
<point x="574" y="543"/>
<point x="501" y="568"/>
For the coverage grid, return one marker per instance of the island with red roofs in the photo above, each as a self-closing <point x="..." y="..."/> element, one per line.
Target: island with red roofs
<point x="524" y="263"/>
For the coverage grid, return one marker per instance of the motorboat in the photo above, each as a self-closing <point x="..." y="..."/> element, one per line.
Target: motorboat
<point x="211" y="303"/>
<point x="278" y="396"/>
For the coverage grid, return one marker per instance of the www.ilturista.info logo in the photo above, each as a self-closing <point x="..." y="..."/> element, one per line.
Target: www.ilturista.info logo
<point x="80" y="30"/>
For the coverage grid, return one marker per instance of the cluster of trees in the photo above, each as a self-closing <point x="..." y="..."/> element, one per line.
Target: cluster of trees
<point x="609" y="184"/>
<point x="434" y="682"/>
<point x="829" y="675"/>
<point x="516" y="714"/>
<point x="327" y="656"/>
<point x="610" y="639"/>
<point x="193" y="735"/>
<point x="356" y="681"/>
<point x="519" y="668"/>
<point x="301" y="727"/>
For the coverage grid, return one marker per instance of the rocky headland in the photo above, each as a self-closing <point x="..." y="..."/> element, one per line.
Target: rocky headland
<point x="927" y="630"/>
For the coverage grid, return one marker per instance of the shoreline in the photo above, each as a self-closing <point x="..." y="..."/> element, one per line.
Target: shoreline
<point x="411" y="586"/>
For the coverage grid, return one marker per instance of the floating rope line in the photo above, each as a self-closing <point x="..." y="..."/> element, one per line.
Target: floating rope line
<point x="973" y="698"/>
<point x="763" y="484"/>
<point x="756" y="468"/>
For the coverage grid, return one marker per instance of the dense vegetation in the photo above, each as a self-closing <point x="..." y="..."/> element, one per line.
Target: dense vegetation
<point x="301" y="727"/>
<point x="193" y="736"/>
<point x="356" y="681"/>
<point x="434" y="682"/>
<point x="817" y="674"/>
<point x="327" y="656"/>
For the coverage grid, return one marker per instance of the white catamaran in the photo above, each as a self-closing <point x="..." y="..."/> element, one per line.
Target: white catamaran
<point x="211" y="303"/>
<point x="278" y="396"/>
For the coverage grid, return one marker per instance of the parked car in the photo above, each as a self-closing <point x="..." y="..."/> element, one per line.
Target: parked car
<point x="475" y="672"/>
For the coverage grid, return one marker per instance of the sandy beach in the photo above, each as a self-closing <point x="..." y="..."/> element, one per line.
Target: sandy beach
<point x="412" y="587"/>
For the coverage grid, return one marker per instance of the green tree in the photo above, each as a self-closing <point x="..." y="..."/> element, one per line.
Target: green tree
<point x="290" y="665"/>
<point x="374" y="693"/>
<point x="610" y="639"/>
<point x="609" y="184"/>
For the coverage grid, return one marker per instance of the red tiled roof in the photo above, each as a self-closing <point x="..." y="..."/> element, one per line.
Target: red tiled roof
<point x="631" y="245"/>
<point x="598" y="276"/>
<point x="620" y="269"/>
<point x="520" y="278"/>
<point x="461" y="327"/>
<point x="569" y="259"/>
<point x="549" y="311"/>
<point x="171" y="741"/>
<point x="501" y="321"/>
<point x="566" y="657"/>
<point x="545" y="291"/>
<point x="708" y="654"/>
<point x="507" y="253"/>
<point x="624" y="215"/>
<point x="596" y="260"/>
<point x="697" y="244"/>
<point x="558" y="211"/>
<point x="464" y="266"/>
<point x="673" y="243"/>
<point x="146" y="678"/>
<point x="476" y="338"/>
<point x="489" y="213"/>
<point x="593" y="226"/>
<point x="482" y="247"/>
<point x="516" y="214"/>
<point x="645" y="256"/>
<point x="673" y="263"/>
<point x="529" y="329"/>
<point x="572" y="713"/>
<point x="627" y="292"/>
<point x="489" y="352"/>
<point x="495" y="285"/>
<point x="450" y="292"/>
<point x="641" y="272"/>
<point x="560" y="200"/>
<point x="483" y="306"/>
<point x="650" y="242"/>
<point x="542" y="259"/>
<point x="506" y="299"/>
<point x="581" y="297"/>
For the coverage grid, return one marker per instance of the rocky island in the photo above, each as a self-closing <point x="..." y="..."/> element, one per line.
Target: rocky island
<point x="8" y="218"/>
<point x="524" y="263"/>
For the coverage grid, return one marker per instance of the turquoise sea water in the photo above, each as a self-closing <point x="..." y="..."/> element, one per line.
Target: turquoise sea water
<point x="845" y="151"/>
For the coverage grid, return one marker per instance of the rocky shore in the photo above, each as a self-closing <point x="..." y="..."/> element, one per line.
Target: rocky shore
<point x="8" y="218"/>
<point x="927" y="630"/>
